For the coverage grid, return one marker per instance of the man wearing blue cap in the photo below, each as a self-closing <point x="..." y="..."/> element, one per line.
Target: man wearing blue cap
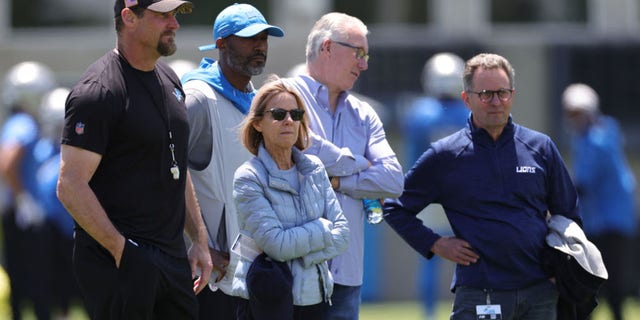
<point x="219" y="95"/>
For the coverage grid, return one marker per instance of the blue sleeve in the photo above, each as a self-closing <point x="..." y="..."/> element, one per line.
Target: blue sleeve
<point x="420" y="190"/>
<point x="417" y="124"/>
<point x="588" y="170"/>
<point x="595" y="153"/>
<point x="562" y="195"/>
<point x="19" y="129"/>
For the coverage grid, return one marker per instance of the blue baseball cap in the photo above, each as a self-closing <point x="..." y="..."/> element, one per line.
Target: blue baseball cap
<point x="242" y="20"/>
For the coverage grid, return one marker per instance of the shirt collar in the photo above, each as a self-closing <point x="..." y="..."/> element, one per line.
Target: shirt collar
<point x="480" y="132"/>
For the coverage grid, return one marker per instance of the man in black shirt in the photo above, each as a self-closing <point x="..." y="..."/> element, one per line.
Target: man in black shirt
<point x="123" y="175"/>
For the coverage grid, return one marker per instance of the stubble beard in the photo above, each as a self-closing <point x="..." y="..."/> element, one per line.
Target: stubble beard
<point x="244" y="66"/>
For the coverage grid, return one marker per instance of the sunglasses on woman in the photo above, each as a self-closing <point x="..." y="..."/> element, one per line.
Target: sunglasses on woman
<point x="279" y="114"/>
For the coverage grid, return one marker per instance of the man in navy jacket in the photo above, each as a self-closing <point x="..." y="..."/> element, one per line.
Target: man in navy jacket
<point x="496" y="181"/>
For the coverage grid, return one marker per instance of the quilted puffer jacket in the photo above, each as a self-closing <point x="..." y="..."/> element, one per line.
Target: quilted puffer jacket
<point x="304" y="229"/>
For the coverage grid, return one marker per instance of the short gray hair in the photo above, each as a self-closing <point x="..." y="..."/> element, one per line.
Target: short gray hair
<point x="333" y="25"/>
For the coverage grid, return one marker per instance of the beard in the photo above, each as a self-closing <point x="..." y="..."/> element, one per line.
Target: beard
<point x="168" y="48"/>
<point x="244" y="65"/>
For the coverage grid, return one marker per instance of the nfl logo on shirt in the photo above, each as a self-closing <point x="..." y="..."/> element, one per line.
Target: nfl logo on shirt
<point x="79" y="128"/>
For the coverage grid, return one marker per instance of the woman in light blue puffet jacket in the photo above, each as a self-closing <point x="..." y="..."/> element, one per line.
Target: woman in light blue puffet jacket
<point x="285" y="202"/>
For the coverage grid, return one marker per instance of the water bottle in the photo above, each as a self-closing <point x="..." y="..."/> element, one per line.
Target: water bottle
<point x="373" y="210"/>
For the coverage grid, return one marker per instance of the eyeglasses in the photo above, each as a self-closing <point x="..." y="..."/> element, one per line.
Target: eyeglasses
<point x="360" y="53"/>
<point x="485" y="96"/>
<point x="279" y="114"/>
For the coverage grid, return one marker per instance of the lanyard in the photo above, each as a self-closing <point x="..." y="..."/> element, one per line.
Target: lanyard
<point x="160" y="107"/>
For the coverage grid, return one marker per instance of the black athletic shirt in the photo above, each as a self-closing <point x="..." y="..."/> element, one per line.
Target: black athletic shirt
<point x="110" y="111"/>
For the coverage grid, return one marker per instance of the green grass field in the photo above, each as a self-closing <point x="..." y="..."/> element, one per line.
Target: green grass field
<point x="413" y="311"/>
<point x="405" y="310"/>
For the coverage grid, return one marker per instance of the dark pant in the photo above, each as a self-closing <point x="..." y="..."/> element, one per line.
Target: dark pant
<point x="311" y="312"/>
<point x="148" y="285"/>
<point x="538" y="302"/>
<point x="216" y="305"/>
<point x="28" y="266"/>
<point x="64" y="284"/>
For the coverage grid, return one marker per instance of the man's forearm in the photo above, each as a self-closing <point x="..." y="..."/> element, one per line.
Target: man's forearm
<point x="194" y="225"/>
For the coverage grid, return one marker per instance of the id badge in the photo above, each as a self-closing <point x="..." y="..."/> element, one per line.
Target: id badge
<point x="489" y="312"/>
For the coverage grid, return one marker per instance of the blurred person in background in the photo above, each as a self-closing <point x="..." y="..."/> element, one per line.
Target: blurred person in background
<point x="181" y="66"/>
<point x="497" y="182"/>
<point x="124" y="179"/>
<point x="285" y="203"/>
<point x="219" y="95"/>
<point x="64" y="287"/>
<point x="24" y="227"/>
<point x="606" y="187"/>
<point x="439" y="113"/>
<point x="349" y="138"/>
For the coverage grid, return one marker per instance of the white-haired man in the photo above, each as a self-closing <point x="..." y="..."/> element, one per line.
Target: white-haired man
<point x="349" y="138"/>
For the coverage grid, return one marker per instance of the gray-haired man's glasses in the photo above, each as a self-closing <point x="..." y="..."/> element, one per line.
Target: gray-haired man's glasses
<point x="360" y="53"/>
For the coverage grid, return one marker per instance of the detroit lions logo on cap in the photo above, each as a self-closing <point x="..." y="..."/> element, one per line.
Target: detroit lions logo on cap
<point x="130" y="3"/>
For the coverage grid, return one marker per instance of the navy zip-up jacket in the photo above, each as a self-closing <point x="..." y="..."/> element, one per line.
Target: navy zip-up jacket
<point x="496" y="195"/>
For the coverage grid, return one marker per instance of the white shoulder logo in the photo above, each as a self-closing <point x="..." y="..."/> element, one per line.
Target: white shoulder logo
<point x="178" y="94"/>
